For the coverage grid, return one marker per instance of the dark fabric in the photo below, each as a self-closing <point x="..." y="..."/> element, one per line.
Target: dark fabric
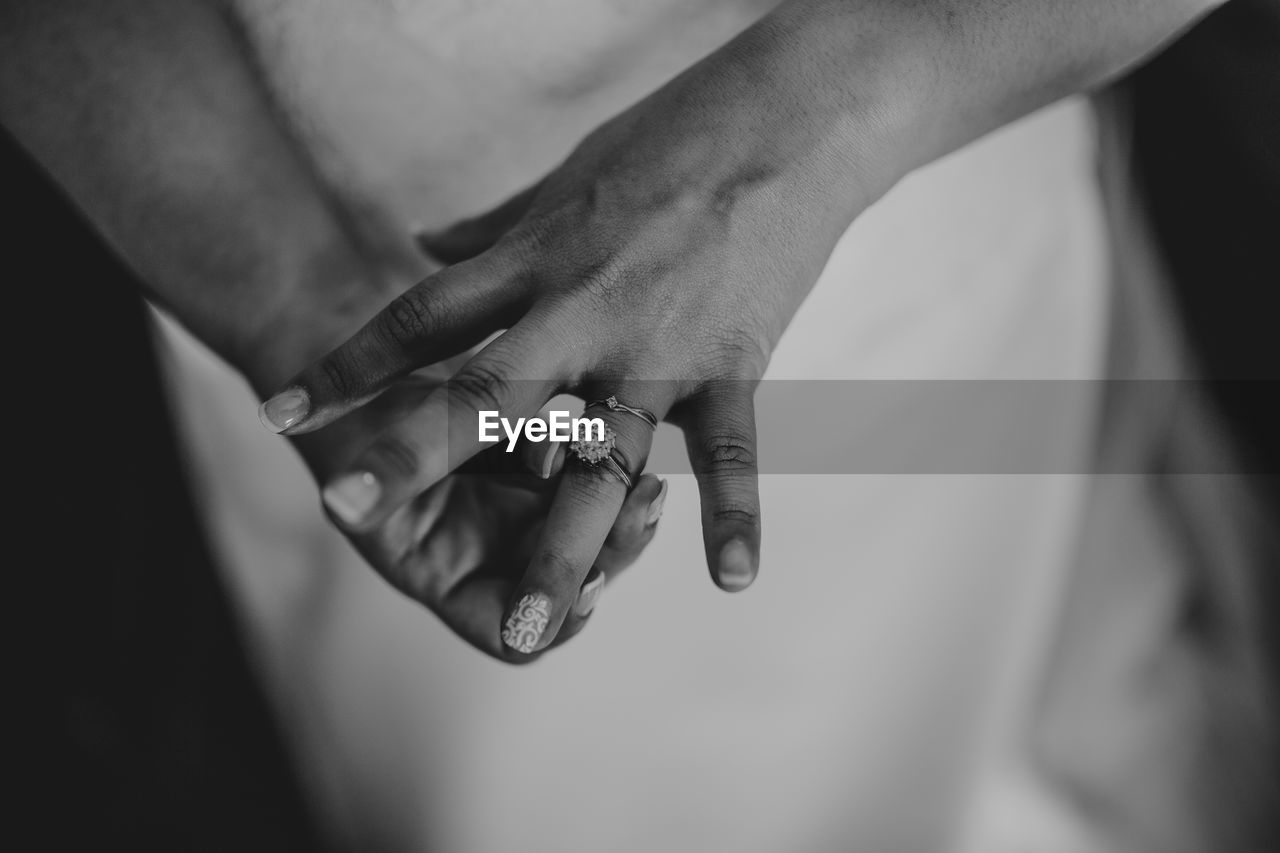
<point x="1207" y="135"/>
<point x="1207" y="131"/>
<point x="152" y="732"/>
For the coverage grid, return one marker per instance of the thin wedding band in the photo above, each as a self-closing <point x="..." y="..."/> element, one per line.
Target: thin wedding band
<point x="611" y="402"/>
<point x="611" y="464"/>
<point x="600" y="453"/>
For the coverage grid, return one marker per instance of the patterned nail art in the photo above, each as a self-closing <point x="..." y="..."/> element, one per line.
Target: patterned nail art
<point x="527" y="622"/>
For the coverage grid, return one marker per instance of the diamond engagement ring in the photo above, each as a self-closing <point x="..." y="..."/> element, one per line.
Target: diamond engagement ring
<point x="600" y="453"/>
<point x="612" y="403"/>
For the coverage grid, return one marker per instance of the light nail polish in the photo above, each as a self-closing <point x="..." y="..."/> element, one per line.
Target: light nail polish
<point x="589" y="594"/>
<point x="284" y="409"/>
<point x="734" y="565"/>
<point x="527" y="622"/>
<point x="655" y="506"/>
<point x="352" y="496"/>
<point x="549" y="460"/>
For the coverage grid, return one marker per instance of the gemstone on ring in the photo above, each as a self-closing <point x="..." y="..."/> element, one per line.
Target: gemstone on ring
<point x="614" y="405"/>
<point x="593" y="451"/>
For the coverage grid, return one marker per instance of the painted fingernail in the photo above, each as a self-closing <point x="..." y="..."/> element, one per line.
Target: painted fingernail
<point x="735" y="565"/>
<point x="655" y="507"/>
<point x="284" y="409"/>
<point x="589" y="594"/>
<point x="527" y="622"/>
<point x="351" y="496"/>
<point x="549" y="460"/>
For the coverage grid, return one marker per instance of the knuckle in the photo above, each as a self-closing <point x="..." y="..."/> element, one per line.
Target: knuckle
<point x="727" y="453"/>
<point x="338" y="373"/>
<point x="736" y="513"/>
<point x="480" y="387"/>
<point x="739" y="355"/>
<point x="410" y="318"/>
<point x="533" y="237"/>
<point x="558" y="569"/>
<point x="605" y="278"/>
<point x="394" y="455"/>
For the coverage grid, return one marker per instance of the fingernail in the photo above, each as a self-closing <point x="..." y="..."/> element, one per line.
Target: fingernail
<point x="655" y="507"/>
<point x="549" y="460"/>
<point x="735" y="565"/>
<point x="351" y="496"/>
<point x="284" y="409"/>
<point x="526" y="623"/>
<point x="589" y="594"/>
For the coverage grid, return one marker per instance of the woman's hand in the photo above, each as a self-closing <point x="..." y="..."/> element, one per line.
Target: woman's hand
<point x="658" y="265"/>
<point x="674" y="245"/>
<point x="461" y="546"/>
<point x="661" y="262"/>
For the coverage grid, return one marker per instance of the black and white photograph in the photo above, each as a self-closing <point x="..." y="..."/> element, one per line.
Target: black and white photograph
<point x="638" y="426"/>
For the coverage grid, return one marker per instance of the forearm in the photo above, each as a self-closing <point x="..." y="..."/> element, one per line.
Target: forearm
<point x="869" y="90"/>
<point x="996" y="60"/>
<point x="147" y="114"/>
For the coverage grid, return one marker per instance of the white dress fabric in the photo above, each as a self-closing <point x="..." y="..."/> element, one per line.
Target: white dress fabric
<point x="878" y="688"/>
<point x="864" y="694"/>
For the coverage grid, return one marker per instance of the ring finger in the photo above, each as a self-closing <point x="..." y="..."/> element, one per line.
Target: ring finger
<point x="582" y="513"/>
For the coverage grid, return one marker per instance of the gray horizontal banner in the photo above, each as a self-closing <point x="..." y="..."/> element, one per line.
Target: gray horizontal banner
<point x="972" y="426"/>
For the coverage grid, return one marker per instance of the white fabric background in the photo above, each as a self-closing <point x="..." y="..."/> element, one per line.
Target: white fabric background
<point x="861" y="696"/>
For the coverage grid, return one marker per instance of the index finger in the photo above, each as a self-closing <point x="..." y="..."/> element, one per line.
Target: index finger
<point x="441" y="316"/>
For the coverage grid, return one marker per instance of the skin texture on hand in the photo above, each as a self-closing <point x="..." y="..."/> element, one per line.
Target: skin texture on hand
<point x="663" y="259"/>
<point x="461" y="546"/>
<point x="674" y="244"/>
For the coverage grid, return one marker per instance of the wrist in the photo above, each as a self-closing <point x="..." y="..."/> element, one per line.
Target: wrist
<point x="833" y="102"/>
